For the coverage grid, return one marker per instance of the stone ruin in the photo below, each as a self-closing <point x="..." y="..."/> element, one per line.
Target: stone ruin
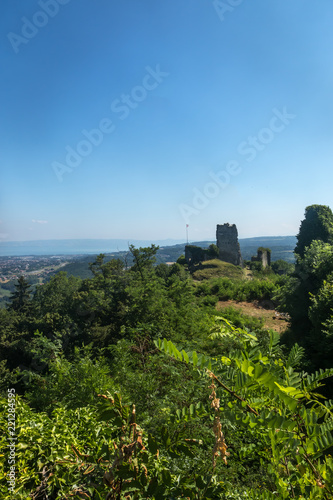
<point x="263" y="256"/>
<point x="194" y="254"/>
<point x="227" y="242"/>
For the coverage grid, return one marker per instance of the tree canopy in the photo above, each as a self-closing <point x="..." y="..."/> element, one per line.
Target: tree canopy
<point x="317" y="225"/>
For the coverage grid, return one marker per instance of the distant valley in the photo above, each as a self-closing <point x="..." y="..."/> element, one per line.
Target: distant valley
<point x="48" y="259"/>
<point x="280" y="245"/>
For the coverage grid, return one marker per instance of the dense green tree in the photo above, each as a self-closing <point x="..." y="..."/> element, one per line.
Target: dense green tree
<point x="213" y="251"/>
<point x="281" y="266"/>
<point x="13" y="348"/>
<point x="162" y="270"/>
<point x="55" y="309"/>
<point x="101" y="303"/>
<point x="229" y="420"/>
<point x="320" y="341"/>
<point x="144" y="258"/>
<point x="20" y="299"/>
<point x="317" y="225"/>
<point x="72" y="383"/>
<point x="308" y="298"/>
<point x="314" y="252"/>
<point x="96" y="267"/>
<point x="56" y="296"/>
<point x="181" y="260"/>
<point x="196" y="254"/>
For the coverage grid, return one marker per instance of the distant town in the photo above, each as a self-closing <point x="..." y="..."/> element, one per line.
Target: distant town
<point x="34" y="266"/>
<point x="38" y="269"/>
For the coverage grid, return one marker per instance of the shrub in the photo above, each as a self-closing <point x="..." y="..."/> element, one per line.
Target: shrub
<point x="240" y="320"/>
<point x="251" y="290"/>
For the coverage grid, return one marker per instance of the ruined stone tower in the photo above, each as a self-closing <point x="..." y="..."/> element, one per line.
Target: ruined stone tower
<point x="227" y="242"/>
<point x="263" y="256"/>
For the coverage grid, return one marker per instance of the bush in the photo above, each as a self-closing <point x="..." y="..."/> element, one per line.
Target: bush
<point x="249" y="291"/>
<point x="181" y="260"/>
<point x="241" y="320"/>
<point x="282" y="267"/>
<point x="213" y="251"/>
<point x="73" y="384"/>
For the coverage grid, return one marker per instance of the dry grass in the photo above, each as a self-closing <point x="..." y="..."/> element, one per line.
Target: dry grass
<point x="217" y="269"/>
<point x="272" y="319"/>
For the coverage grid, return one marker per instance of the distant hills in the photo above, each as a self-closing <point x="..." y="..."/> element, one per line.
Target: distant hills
<point x="79" y="253"/>
<point x="282" y="247"/>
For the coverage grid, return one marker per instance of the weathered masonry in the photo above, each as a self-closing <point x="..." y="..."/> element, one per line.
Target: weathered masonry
<point x="228" y="245"/>
<point x="263" y="256"/>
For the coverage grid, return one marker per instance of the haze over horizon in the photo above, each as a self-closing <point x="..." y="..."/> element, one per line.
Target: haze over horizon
<point x="137" y="118"/>
<point x="97" y="246"/>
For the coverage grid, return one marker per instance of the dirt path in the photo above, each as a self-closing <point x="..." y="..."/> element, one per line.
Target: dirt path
<point x="272" y="318"/>
<point x="248" y="274"/>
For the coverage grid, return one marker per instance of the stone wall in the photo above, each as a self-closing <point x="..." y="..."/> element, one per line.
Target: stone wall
<point x="263" y="256"/>
<point x="194" y="254"/>
<point x="227" y="242"/>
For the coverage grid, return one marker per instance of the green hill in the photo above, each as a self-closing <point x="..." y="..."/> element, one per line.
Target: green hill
<point x="282" y="248"/>
<point x="217" y="269"/>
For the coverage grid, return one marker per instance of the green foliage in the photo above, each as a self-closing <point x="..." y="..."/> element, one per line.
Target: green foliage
<point x="215" y="268"/>
<point x="162" y="270"/>
<point x="53" y="307"/>
<point x="42" y="442"/>
<point x="261" y="392"/>
<point x="255" y="265"/>
<point x="246" y="290"/>
<point x="282" y="267"/>
<point x="181" y="260"/>
<point x="144" y="258"/>
<point x="195" y="254"/>
<point x="317" y="225"/>
<point x="240" y="320"/>
<point x="20" y="299"/>
<point x="57" y="294"/>
<point x="264" y="249"/>
<point x="213" y="251"/>
<point x="96" y="267"/>
<point x="87" y="453"/>
<point x="225" y="415"/>
<point x="98" y="311"/>
<point x="307" y="297"/>
<point x="70" y="383"/>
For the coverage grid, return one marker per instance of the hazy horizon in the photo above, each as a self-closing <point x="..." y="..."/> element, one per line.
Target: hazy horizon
<point x="93" y="246"/>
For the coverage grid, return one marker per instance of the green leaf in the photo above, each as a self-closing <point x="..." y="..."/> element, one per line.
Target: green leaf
<point x="185" y="356"/>
<point x="152" y="444"/>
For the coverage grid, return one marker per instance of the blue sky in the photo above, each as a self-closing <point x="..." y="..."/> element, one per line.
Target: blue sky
<point x="132" y="119"/>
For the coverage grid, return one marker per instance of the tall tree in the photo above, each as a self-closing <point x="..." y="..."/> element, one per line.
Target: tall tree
<point x="144" y="258"/>
<point x="20" y="299"/>
<point x="317" y="225"/>
<point x="309" y="301"/>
